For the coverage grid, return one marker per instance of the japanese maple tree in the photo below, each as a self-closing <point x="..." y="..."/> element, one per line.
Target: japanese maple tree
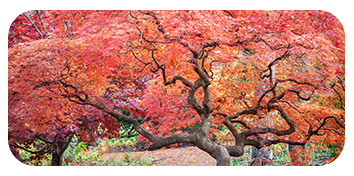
<point x="268" y="76"/>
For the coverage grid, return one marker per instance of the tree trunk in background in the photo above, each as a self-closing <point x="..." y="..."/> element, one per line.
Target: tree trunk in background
<point x="61" y="147"/>
<point x="56" y="159"/>
<point x="257" y="154"/>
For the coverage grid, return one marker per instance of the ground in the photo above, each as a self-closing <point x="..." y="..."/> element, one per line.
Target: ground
<point x="186" y="156"/>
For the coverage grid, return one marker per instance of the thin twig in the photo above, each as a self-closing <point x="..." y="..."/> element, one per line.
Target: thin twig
<point x="34" y="26"/>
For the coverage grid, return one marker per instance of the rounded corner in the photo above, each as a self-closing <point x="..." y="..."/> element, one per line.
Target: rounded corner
<point x="336" y="18"/>
<point x="16" y="160"/>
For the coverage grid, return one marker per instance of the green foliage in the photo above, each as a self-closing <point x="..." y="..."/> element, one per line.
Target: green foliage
<point x="130" y="161"/>
<point x="244" y="160"/>
<point x="92" y="158"/>
<point x="334" y="150"/>
<point x="280" y="160"/>
<point x="116" y="142"/>
<point x="28" y="157"/>
<point x="248" y="51"/>
<point x="73" y="155"/>
<point x="127" y="157"/>
<point x="127" y="128"/>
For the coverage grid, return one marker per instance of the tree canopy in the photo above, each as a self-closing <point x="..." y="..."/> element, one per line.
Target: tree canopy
<point x="267" y="76"/>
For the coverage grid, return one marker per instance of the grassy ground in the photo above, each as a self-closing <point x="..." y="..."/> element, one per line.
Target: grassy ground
<point x="81" y="154"/>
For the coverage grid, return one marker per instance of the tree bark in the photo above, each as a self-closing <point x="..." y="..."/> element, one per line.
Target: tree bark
<point x="222" y="156"/>
<point x="60" y="149"/>
<point x="56" y="159"/>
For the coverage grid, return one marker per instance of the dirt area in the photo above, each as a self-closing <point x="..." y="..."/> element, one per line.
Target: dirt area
<point x="187" y="156"/>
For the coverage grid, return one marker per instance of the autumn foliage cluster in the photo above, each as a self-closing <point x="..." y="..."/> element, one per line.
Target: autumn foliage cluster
<point x="267" y="76"/>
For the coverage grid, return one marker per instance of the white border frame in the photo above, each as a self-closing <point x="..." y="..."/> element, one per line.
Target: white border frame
<point x="338" y="14"/>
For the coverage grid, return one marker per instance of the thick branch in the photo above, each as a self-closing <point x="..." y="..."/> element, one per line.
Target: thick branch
<point x="235" y="151"/>
<point x="158" y="142"/>
<point x="192" y="101"/>
<point x="178" y="138"/>
<point x="183" y="80"/>
<point x="203" y="76"/>
<point x="203" y="81"/>
<point x="240" y="122"/>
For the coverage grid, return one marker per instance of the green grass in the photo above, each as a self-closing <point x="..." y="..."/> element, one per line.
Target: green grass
<point x="93" y="159"/>
<point x="93" y="156"/>
<point x="121" y="142"/>
<point x="81" y="154"/>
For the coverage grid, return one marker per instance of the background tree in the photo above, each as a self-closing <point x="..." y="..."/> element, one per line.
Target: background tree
<point x="39" y="122"/>
<point x="36" y="114"/>
<point x="265" y="75"/>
